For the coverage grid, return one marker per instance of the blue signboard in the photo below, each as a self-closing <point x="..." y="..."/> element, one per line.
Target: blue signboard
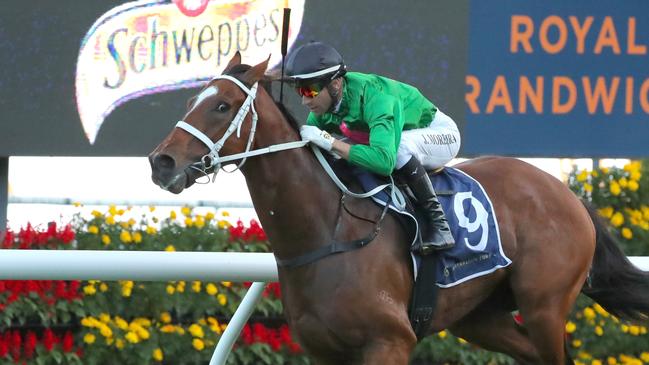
<point x="558" y="78"/>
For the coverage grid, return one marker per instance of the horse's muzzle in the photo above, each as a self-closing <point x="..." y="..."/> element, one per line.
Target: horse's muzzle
<point x="164" y="173"/>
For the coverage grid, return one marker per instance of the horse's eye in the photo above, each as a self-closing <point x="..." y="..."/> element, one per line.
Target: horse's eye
<point x="222" y="107"/>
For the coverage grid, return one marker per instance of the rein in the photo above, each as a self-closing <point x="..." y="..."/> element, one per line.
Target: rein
<point x="212" y="160"/>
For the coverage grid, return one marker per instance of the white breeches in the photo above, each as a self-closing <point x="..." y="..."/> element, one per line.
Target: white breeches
<point x="434" y="146"/>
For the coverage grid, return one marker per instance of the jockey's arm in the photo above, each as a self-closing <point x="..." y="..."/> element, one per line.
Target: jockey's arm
<point x="341" y="149"/>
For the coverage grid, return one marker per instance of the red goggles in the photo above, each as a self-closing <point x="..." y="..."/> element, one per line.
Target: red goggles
<point x="310" y="91"/>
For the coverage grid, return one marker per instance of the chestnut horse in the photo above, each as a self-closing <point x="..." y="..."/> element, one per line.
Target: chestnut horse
<point x="352" y="307"/>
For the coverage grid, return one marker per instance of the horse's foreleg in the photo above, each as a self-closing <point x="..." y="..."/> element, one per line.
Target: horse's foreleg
<point x="385" y="352"/>
<point x="496" y="330"/>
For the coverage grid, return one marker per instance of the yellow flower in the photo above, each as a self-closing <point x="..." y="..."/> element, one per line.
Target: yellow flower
<point x="617" y="219"/>
<point x="461" y="340"/>
<point x="103" y="287"/>
<point x="171" y="289"/>
<point x="211" y="289"/>
<point x="106" y="331"/>
<point x="624" y="328"/>
<point x="594" y="173"/>
<point x="196" y="330"/>
<point x="576" y="343"/>
<point x="121" y="323"/>
<point x="189" y="222"/>
<point x="93" y="230"/>
<point x="151" y="230"/>
<point x="222" y="224"/>
<point x="151" y="208"/>
<point x="110" y="220"/>
<point x="634" y="330"/>
<point x="88" y="322"/>
<point x="583" y="175"/>
<point x="599" y="330"/>
<point x="442" y="334"/>
<point x="170" y="248"/>
<point x="611" y="360"/>
<point x="601" y="311"/>
<point x="588" y="187"/>
<point x="198" y="344"/>
<point x="158" y="355"/>
<point x="112" y="209"/>
<point x="165" y="317"/>
<point x="223" y="300"/>
<point x="225" y="213"/>
<point x="196" y="286"/>
<point x="131" y="222"/>
<point x="137" y="237"/>
<point x="104" y="317"/>
<point x="142" y="333"/>
<point x="172" y="215"/>
<point x="635" y="175"/>
<point x="604" y="170"/>
<point x="180" y="287"/>
<point x="209" y="216"/>
<point x="132" y="337"/>
<point x="125" y="236"/>
<point x="89" y="290"/>
<point x="644" y="356"/>
<point x="119" y="344"/>
<point x="186" y="211"/>
<point x="105" y="239"/>
<point x="615" y="188"/>
<point x="633" y="185"/>
<point x="570" y="327"/>
<point x="606" y="212"/>
<point x="96" y="214"/>
<point x="168" y="328"/>
<point x="589" y="313"/>
<point x="623" y="182"/>
<point x="627" y="233"/>
<point x="596" y="362"/>
<point x="199" y="222"/>
<point x="226" y="284"/>
<point x="89" y="338"/>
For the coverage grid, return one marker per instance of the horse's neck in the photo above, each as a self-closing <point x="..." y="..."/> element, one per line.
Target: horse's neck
<point x="296" y="202"/>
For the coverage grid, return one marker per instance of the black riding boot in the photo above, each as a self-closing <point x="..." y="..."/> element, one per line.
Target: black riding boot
<point x="436" y="235"/>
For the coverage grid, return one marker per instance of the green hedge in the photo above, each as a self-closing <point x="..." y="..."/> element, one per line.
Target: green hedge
<point x="93" y="322"/>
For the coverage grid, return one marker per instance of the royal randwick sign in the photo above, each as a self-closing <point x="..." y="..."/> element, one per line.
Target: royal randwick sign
<point x="154" y="46"/>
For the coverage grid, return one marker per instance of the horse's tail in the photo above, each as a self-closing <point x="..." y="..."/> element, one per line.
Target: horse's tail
<point x="615" y="283"/>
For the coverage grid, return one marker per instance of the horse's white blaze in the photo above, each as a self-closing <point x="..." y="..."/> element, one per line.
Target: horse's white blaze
<point x="212" y="90"/>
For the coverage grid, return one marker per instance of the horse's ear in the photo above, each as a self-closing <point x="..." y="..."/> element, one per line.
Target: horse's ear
<point x="256" y="72"/>
<point x="236" y="59"/>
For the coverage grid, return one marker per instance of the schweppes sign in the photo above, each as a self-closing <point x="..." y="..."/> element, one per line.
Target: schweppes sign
<point x="153" y="46"/>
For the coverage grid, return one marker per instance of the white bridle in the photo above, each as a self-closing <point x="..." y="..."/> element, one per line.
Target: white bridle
<point x="212" y="158"/>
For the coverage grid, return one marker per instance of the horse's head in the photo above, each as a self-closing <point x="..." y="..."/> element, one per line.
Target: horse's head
<point x="225" y="106"/>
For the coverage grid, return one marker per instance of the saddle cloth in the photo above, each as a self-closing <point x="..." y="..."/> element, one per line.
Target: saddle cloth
<point x="478" y="249"/>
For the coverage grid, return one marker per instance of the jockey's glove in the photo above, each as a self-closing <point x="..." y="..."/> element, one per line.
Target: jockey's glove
<point x="317" y="136"/>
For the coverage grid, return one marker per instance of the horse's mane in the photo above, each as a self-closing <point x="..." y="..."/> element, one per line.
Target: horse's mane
<point x="240" y="69"/>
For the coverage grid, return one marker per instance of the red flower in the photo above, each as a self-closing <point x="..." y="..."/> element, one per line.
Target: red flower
<point x="16" y="345"/>
<point x="274" y="340"/>
<point x="236" y="232"/>
<point x="260" y="333"/>
<point x="68" y="341"/>
<point x="73" y="291"/>
<point x="60" y="290"/>
<point x="8" y="240"/>
<point x="67" y="234"/>
<point x="49" y="339"/>
<point x="30" y="344"/>
<point x="26" y="236"/>
<point x="246" y="335"/>
<point x="4" y="347"/>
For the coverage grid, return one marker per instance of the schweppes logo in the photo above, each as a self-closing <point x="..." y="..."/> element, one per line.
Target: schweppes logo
<point x="153" y="46"/>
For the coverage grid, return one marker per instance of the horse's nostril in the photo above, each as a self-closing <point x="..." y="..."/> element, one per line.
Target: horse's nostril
<point x="164" y="162"/>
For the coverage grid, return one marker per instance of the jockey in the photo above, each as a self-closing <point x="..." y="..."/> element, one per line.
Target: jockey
<point x="392" y="126"/>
